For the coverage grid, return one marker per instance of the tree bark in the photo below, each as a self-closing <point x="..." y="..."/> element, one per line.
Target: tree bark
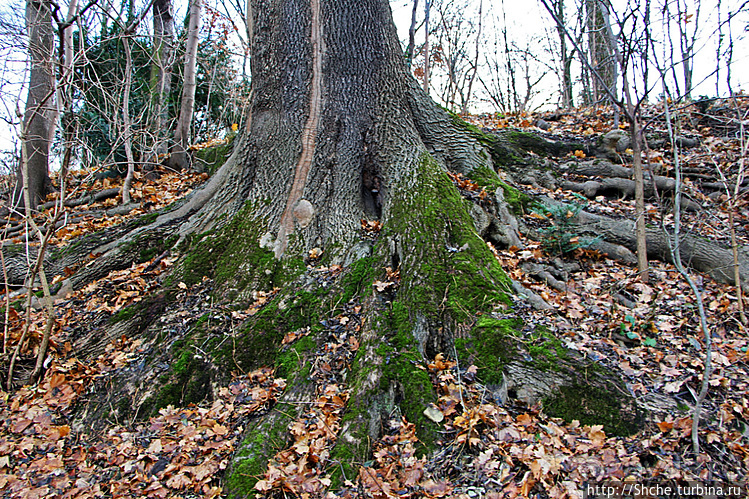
<point x="126" y="127"/>
<point x="179" y="156"/>
<point x="38" y="119"/>
<point x="564" y="55"/>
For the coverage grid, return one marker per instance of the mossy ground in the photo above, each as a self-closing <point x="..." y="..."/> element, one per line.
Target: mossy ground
<point x="592" y="405"/>
<point x="211" y="159"/>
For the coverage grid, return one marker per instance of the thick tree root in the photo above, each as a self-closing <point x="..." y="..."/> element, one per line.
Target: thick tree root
<point x="697" y="252"/>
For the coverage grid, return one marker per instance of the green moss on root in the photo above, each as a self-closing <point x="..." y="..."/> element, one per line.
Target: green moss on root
<point x="518" y="201"/>
<point x="258" y="446"/>
<point x="188" y="381"/>
<point x="147" y="246"/>
<point x="213" y="158"/>
<point x="402" y="368"/>
<point x="489" y="347"/>
<point x="232" y="256"/>
<point x="449" y="272"/>
<point x="546" y="350"/>
<point x="259" y="341"/>
<point x="448" y="275"/>
<point x="270" y="433"/>
<point x="359" y="276"/>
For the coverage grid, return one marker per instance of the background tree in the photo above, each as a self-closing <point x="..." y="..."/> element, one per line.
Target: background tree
<point x="565" y="56"/>
<point x="161" y="68"/>
<point x="458" y="49"/>
<point x="601" y="50"/>
<point x="511" y="74"/>
<point x="179" y="158"/>
<point x="412" y="35"/>
<point x="40" y="113"/>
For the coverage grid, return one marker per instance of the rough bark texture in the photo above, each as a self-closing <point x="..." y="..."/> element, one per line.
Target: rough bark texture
<point x="38" y="119"/>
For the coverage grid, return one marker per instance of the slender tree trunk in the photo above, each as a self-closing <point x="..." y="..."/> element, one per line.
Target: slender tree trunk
<point x="602" y="48"/>
<point x="40" y="108"/>
<point x="513" y="100"/>
<point x="564" y="55"/>
<point x="427" y="56"/>
<point x="412" y="35"/>
<point x="640" y="226"/>
<point x="161" y="69"/>
<point x="179" y="158"/>
<point x="687" y="39"/>
<point x="65" y="95"/>
<point x="126" y="126"/>
<point x="475" y="68"/>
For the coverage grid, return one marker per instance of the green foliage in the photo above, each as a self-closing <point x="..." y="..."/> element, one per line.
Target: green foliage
<point x="560" y="238"/>
<point x="100" y="81"/>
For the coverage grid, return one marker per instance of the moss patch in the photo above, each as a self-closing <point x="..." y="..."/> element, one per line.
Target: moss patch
<point x="146" y="246"/>
<point x="518" y="201"/>
<point x="489" y="347"/>
<point x="357" y="278"/>
<point x="232" y="256"/>
<point x="213" y="158"/>
<point x="594" y="405"/>
<point x="546" y="350"/>
<point x="259" y="444"/>
<point x="448" y="271"/>
<point x="188" y="381"/>
<point x="260" y="339"/>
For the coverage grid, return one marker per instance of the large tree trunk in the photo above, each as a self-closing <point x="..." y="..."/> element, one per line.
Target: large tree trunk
<point x="39" y="116"/>
<point x="339" y="133"/>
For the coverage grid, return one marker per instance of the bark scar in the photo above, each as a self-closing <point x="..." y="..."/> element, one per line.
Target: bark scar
<point x="309" y="135"/>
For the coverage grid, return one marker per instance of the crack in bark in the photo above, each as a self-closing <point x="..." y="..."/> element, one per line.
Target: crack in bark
<point x="309" y="135"/>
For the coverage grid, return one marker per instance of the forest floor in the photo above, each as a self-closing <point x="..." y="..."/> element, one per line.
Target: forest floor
<point x="486" y="450"/>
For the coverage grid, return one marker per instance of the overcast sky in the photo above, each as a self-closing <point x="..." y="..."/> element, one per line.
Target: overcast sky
<point x="529" y="18"/>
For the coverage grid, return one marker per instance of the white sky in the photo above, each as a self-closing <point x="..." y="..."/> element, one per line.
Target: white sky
<point x="529" y="18"/>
